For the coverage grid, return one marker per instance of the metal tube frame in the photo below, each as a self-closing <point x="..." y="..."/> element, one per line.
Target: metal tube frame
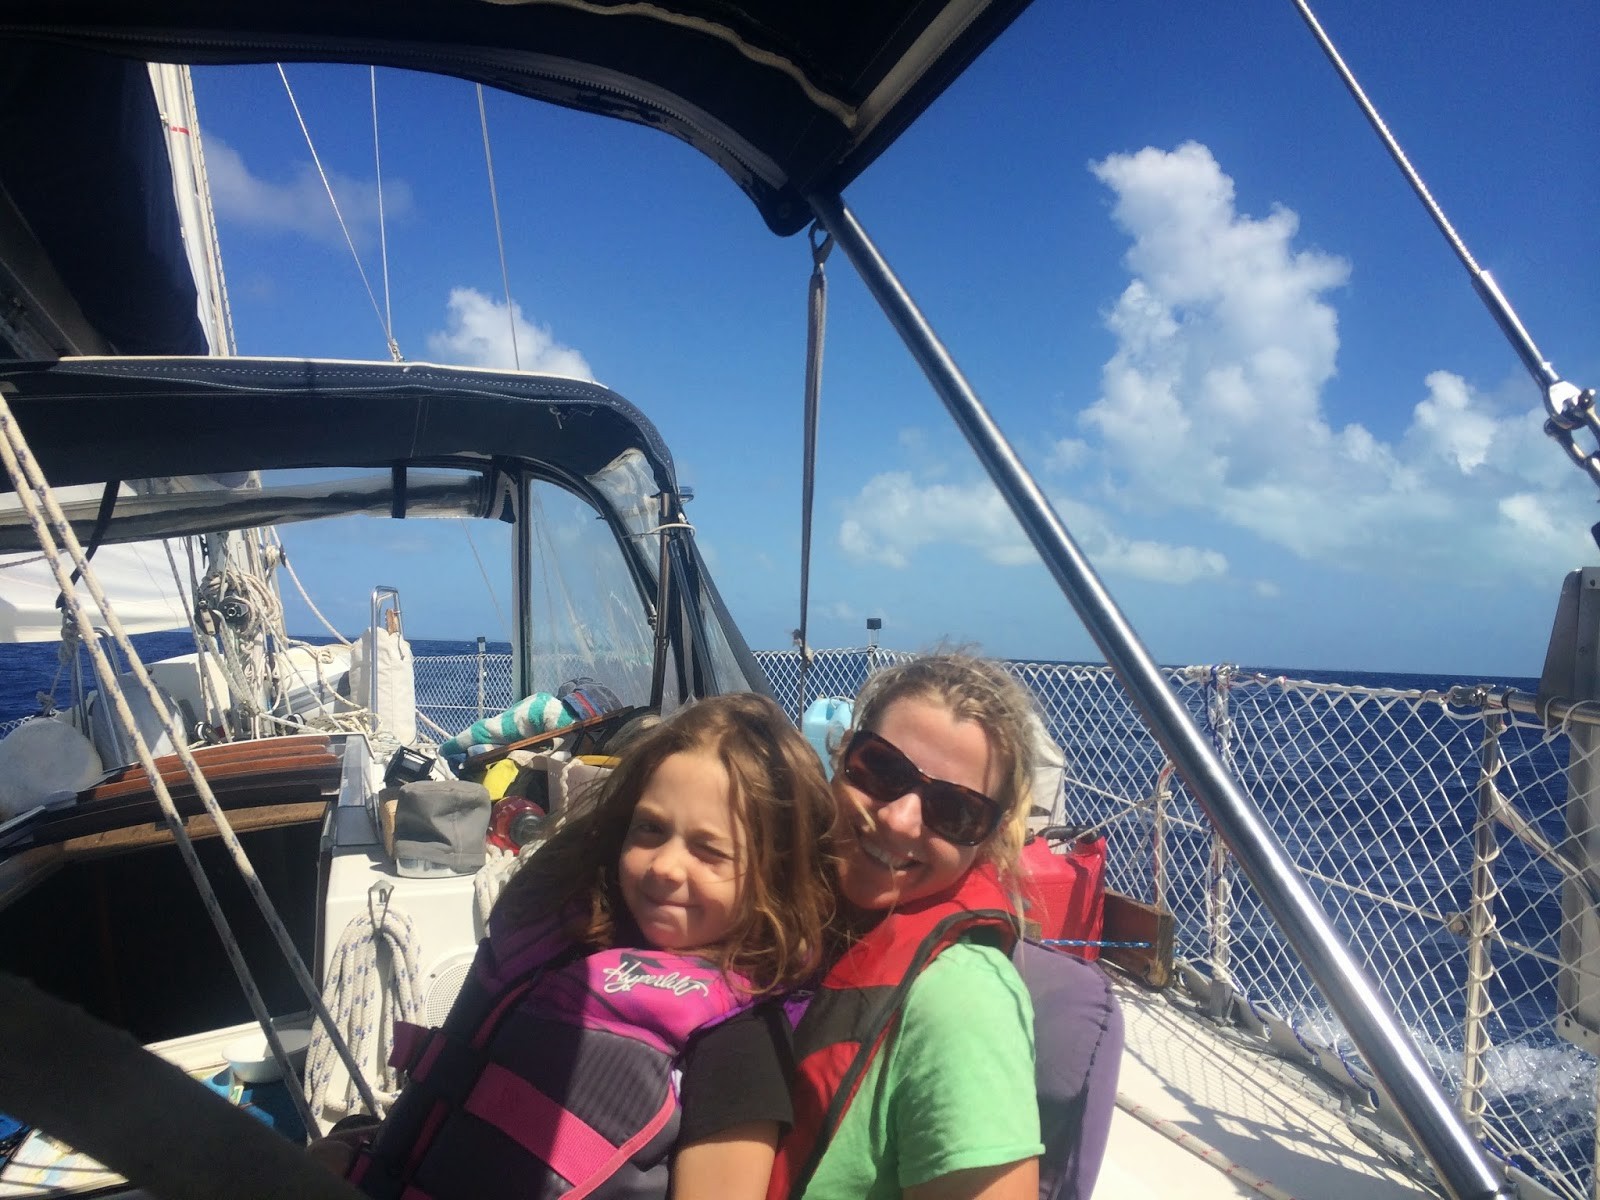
<point x="1460" y="1163"/>
<point x="1158" y="836"/>
<point x="658" y="665"/>
<point x="522" y="591"/>
<point x="380" y="593"/>
<point x="483" y="664"/>
<point x="1219" y="892"/>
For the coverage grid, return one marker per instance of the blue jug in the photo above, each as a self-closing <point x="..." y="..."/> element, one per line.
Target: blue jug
<point x="825" y="724"/>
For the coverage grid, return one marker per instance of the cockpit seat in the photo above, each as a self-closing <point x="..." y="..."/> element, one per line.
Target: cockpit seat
<point x="1078" y="1050"/>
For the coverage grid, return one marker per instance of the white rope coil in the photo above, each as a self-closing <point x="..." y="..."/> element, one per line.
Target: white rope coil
<point x="365" y="1006"/>
<point x="499" y="865"/>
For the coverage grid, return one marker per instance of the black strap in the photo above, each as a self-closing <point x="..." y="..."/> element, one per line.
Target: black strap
<point x="816" y="323"/>
<point x="102" y="522"/>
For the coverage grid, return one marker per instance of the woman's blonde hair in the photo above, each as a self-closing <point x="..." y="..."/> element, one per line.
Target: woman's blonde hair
<point x="978" y="690"/>
<point x="781" y="805"/>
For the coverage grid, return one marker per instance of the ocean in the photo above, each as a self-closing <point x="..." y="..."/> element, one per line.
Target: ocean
<point x="28" y="669"/>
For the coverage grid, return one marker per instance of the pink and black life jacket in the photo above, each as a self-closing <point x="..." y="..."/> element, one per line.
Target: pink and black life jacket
<point x="553" y="1075"/>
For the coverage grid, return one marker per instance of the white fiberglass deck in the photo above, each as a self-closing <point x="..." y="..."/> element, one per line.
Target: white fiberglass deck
<point x="1229" y="1104"/>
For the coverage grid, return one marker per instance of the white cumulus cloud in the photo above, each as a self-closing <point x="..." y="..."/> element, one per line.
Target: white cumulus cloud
<point x="300" y="203"/>
<point x="1211" y="410"/>
<point x="478" y="333"/>
<point x="1212" y="402"/>
<point x="895" y="516"/>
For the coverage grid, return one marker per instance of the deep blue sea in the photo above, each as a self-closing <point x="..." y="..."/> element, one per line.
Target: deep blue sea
<point x="27" y="669"/>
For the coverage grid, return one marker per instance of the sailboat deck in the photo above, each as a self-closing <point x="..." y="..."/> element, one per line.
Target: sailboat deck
<point x="1196" y="1104"/>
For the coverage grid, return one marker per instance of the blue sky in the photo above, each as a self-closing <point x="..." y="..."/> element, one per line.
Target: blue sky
<point x="1160" y="240"/>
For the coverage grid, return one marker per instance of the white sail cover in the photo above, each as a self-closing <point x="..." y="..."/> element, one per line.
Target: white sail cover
<point x="135" y="577"/>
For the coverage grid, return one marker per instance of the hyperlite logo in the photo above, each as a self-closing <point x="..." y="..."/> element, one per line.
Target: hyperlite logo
<point x="631" y="972"/>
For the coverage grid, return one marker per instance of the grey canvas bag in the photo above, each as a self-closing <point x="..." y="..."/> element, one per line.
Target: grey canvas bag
<point x="439" y="826"/>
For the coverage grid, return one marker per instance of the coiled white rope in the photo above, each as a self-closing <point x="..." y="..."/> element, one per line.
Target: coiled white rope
<point x="364" y="1007"/>
<point x="216" y="712"/>
<point x="499" y="865"/>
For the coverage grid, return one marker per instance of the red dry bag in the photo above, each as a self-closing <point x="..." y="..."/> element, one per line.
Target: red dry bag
<point x="1064" y="890"/>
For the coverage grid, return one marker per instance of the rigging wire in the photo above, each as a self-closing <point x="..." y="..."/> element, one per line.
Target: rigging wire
<point x="1570" y="407"/>
<point x="1389" y="140"/>
<point x="505" y="626"/>
<point x="394" y="349"/>
<point x="383" y="226"/>
<point x="499" y="236"/>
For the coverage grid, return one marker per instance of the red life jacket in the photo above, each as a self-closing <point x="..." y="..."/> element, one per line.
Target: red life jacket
<point x="858" y="1005"/>
<point x="552" y="1075"/>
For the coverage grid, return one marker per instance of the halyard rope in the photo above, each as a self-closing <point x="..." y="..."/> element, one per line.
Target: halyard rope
<point x="283" y="560"/>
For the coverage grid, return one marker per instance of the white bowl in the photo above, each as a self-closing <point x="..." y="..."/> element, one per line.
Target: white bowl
<point x="250" y="1058"/>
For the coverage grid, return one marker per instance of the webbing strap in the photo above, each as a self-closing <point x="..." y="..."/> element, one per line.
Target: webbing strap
<point x="628" y="1149"/>
<point x="542" y="1127"/>
<point x="409" y="1041"/>
<point x="102" y="522"/>
<point x="816" y="325"/>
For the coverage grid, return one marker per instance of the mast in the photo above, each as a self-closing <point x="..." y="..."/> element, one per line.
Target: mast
<point x="191" y="190"/>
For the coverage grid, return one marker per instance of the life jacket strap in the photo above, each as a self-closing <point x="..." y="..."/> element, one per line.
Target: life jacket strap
<point x="410" y="1043"/>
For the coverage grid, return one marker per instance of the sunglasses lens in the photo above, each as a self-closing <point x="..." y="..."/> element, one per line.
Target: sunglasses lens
<point x="879" y="770"/>
<point x="955" y="813"/>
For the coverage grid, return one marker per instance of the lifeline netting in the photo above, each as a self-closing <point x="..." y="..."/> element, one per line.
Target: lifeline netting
<point x="1376" y="795"/>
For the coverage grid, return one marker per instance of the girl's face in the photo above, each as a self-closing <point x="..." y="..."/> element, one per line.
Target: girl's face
<point x="889" y="857"/>
<point x="681" y="870"/>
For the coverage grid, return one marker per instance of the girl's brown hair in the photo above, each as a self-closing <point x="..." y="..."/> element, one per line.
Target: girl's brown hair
<point x="781" y="805"/>
<point x="979" y="690"/>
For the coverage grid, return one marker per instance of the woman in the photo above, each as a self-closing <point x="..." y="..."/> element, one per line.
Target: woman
<point x="916" y="1075"/>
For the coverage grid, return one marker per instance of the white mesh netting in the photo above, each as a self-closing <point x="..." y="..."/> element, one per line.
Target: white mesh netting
<point x="1376" y="794"/>
<point x="455" y="690"/>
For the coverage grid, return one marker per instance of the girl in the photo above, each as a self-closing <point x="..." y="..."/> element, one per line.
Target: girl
<point x="637" y="943"/>
<point x="916" y="1071"/>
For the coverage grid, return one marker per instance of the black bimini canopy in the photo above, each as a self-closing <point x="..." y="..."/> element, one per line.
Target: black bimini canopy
<point x="92" y="420"/>
<point x="790" y="97"/>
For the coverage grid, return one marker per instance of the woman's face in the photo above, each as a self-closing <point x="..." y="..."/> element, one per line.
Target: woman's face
<point x="889" y="857"/>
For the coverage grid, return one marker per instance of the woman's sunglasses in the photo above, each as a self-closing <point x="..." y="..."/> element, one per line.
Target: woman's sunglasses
<point x="878" y="769"/>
